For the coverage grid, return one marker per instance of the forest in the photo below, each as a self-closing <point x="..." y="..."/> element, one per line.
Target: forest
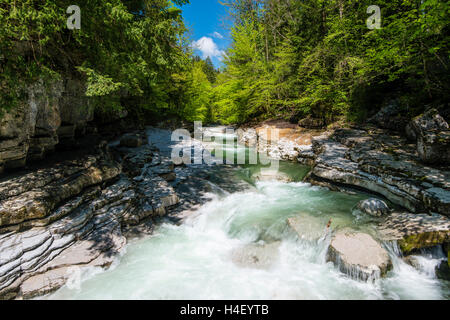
<point x="289" y="59"/>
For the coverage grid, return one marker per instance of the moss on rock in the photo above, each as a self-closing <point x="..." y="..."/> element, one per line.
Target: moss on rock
<point x="423" y="240"/>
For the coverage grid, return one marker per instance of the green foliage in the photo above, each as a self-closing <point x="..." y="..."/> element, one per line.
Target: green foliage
<point x="126" y="50"/>
<point x="198" y="93"/>
<point x="315" y="57"/>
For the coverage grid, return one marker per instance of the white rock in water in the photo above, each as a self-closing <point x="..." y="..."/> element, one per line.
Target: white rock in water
<point x="374" y="207"/>
<point x="256" y="256"/>
<point x="359" y="256"/>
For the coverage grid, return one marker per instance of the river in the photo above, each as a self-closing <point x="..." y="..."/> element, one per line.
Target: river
<point x="238" y="245"/>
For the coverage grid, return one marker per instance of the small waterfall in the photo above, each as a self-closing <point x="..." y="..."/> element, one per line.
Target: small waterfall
<point x="355" y="272"/>
<point x="393" y="249"/>
<point x="216" y="189"/>
<point x="323" y="244"/>
<point x="425" y="260"/>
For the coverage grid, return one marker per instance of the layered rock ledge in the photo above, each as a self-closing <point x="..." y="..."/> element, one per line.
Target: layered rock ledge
<point x="383" y="164"/>
<point x="367" y="158"/>
<point x="77" y="213"/>
<point x="415" y="231"/>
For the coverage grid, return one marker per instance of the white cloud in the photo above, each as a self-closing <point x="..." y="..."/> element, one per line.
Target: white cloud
<point x="208" y="48"/>
<point x="217" y="35"/>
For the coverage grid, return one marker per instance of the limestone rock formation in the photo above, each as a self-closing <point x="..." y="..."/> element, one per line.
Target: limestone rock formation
<point x="358" y="255"/>
<point x="53" y="115"/>
<point x="415" y="231"/>
<point x="380" y="163"/>
<point x="71" y="215"/>
<point x="433" y="137"/>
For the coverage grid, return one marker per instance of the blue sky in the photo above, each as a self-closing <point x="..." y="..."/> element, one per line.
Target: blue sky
<point x="204" y="19"/>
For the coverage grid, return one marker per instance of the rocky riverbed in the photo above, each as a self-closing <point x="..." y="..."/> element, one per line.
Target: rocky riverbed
<point x="82" y="211"/>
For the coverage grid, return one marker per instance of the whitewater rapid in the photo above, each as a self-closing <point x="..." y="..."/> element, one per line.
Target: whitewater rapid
<point x="239" y="246"/>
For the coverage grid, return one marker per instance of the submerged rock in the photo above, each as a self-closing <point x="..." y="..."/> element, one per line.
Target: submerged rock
<point x="256" y="256"/>
<point x="374" y="207"/>
<point x="271" y="175"/>
<point x="413" y="261"/>
<point x="359" y="256"/>
<point x="307" y="227"/>
<point x="313" y="228"/>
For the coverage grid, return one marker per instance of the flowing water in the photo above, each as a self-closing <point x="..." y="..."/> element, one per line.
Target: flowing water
<point x="239" y="246"/>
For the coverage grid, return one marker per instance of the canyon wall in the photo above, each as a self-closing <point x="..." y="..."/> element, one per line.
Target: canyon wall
<point x="52" y="116"/>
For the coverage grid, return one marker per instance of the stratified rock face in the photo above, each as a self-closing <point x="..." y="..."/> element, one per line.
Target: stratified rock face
<point x="29" y="129"/>
<point x="433" y="137"/>
<point x="383" y="164"/>
<point x="56" y="220"/>
<point x="415" y="231"/>
<point x="358" y="255"/>
<point x="132" y="140"/>
<point x="373" y="207"/>
<point x="53" y="114"/>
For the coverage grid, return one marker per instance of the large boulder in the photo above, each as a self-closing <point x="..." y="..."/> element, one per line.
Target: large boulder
<point x="358" y="255"/>
<point x="433" y="137"/>
<point x="373" y="207"/>
<point x="391" y="117"/>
